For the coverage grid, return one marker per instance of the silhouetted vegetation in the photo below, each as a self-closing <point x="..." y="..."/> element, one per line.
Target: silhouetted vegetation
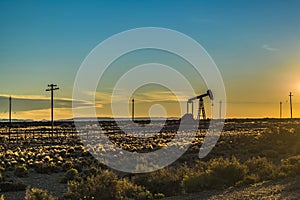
<point x="246" y="153"/>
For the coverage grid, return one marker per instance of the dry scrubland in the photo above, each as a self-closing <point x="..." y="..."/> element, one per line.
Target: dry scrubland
<point x="252" y="159"/>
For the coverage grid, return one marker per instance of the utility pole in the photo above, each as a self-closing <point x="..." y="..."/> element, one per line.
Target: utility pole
<point x="51" y="88"/>
<point x="9" y="116"/>
<point x="220" y="111"/>
<point x="280" y="110"/>
<point x="132" y="110"/>
<point x="291" y="104"/>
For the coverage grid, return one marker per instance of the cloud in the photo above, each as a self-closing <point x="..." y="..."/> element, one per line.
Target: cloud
<point x="36" y="102"/>
<point x="268" y="48"/>
<point x="41" y="114"/>
<point x="159" y="96"/>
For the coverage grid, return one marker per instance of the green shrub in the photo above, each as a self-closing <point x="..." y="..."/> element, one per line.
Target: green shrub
<point x="38" y="194"/>
<point x="220" y="173"/>
<point x="159" y="196"/>
<point x="291" y="166"/>
<point x="21" y="171"/>
<point x="106" y="186"/>
<point x="166" y="181"/>
<point x="197" y="182"/>
<point x="71" y="174"/>
<point x="227" y="172"/>
<point x="92" y="171"/>
<point x="102" y="186"/>
<point x="128" y="190"/>
<point x="67" y="165"/>
<point x="262" y="168"/>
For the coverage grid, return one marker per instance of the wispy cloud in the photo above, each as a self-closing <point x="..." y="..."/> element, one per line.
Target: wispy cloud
<point x="37" y="102"/>
<point x="268" y="48"/>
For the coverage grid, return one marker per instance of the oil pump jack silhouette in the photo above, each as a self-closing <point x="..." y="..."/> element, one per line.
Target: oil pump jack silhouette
<point x="201" y="108"/>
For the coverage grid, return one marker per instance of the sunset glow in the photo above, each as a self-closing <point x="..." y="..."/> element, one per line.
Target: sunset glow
<point x="44" y="43"/>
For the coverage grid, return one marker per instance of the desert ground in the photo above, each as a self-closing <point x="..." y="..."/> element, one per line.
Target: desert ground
<point x="253" y="159"/>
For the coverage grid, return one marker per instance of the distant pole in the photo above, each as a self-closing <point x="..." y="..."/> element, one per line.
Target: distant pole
<point x="51" y="88"/>
<point x="291" y="105"/>
<point x="193" y="109"/>
<point x="9" y="117"/>
<point x="187" y="107"/>
<point x="212" y="110"/>
<point x="280" y="110"/>
<point x="220" y="111"/>
<point x="132" y="110"/>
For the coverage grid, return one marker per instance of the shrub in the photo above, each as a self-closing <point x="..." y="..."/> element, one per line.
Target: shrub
<point x="67" y="165"/>
<point x="106" y="186"/>
<point x="102" y="186"/>
<point x="227" y="172"/>
<point x="128" y="190"/>
<point x="220" y="173"/>
<point x="166" y="181"/>
<point x="92" y="171"/>
<point x="262" y="168"/>
<point x="159" y="196"/>
<point x="38" y="194"/>
<point x="197" y="182"/>
<point x="291" y="166"/>
<point x="71" y="174"/>
<point x="21" y="171"/>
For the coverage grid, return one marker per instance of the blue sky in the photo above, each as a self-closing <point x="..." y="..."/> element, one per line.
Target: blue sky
<point x="256" y="45"/>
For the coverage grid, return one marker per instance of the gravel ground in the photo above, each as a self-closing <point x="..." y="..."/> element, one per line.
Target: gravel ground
<point x="51" y="183"/>
<point x="288" y="188"/>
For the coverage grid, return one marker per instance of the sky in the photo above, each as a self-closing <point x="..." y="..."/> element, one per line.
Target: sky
<point x="255" y="44"/>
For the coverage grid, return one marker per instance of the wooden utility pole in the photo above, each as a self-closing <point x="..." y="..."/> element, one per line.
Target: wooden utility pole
<point x="220" y="111"/>
<point x="9" y="116"/>
<point x="51" y="88"/>
<point x="132" y="110"/>
<point x="291" y="104"/>
<point x="280" y="110"/>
